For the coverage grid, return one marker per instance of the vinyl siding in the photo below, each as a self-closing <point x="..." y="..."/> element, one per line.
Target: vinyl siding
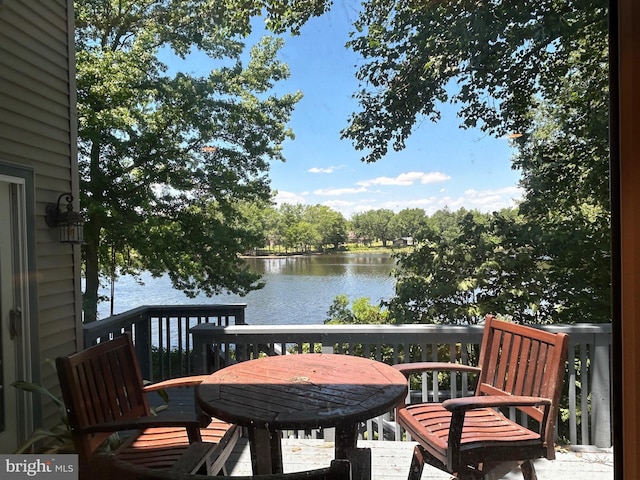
<point x="38" y="130"/>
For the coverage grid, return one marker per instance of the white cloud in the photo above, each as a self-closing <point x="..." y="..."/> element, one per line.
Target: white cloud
<point x="481" y="200"/>
<point x="339" y="205"/>
<point x="484" y="201"/>
<point x="408" y="178"/>
<point x="492" y="200"/>
<point x="323" y="170"/>
<point x="397" y="205"/>
<point x="511" y="190"/>
<point x="334" y="192"/>
<point x="289" y="197"/>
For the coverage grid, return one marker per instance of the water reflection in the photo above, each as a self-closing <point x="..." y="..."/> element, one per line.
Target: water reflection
<point x="332" y="265"/>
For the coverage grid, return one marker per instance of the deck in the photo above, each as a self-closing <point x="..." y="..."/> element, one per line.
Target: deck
<point x="390" y="461"/>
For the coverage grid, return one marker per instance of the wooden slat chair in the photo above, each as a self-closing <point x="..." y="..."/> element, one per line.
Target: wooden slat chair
<point x="338" y="470"/>
<point x="468" y="437"/>
<point x="103" y="391"/>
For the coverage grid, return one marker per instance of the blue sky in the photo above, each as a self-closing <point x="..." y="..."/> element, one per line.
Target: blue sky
<point x="441" y="166"/>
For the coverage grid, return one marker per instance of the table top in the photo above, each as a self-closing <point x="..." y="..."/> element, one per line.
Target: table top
<point x="301" y="391"/>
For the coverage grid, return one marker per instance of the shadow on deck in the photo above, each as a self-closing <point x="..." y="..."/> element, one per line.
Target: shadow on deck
<point x="390" y="461"/>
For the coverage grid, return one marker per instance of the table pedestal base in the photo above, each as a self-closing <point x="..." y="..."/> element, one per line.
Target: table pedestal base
<point x="261" y="441"/>
<point x="266" y="451"/>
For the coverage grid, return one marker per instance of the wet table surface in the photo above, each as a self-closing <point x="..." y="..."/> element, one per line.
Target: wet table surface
<point x="297" y="392"/>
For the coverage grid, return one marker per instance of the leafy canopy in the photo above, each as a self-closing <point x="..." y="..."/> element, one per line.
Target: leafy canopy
<point x="166" y="156"/>
<point x="495" y="59"/>
<point x="536" y="71"/>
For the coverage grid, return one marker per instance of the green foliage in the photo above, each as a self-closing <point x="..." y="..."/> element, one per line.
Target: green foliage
<point x="361" y="312"/>
<point x="56" y="439"/>
<point x="166" y="158"/>
<point x="565" y="166"/>
<point x="538" y="73"/>
<point x="374" y="225"/>
<point x="408" y="222"/>
<point x="300" y="228"/>
<point x="468" y="264"/>
<point x="503" y="55"/>
<point x="330" y="225"/>
<point x="168" y="363"/>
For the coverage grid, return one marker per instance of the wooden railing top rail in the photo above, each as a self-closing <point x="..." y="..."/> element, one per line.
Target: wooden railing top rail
<point x="126" y="319"/>
<point x="361" y="333"/>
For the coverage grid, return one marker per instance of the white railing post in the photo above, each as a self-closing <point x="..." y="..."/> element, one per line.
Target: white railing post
<point x="601" y="393"/>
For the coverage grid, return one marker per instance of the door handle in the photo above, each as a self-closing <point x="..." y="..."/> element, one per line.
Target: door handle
<point x="15" y="323"/>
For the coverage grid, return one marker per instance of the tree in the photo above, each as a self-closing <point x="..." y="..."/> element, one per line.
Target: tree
<point x="257" y="219"/>
<point x="505" y="56"/>
<point x="289" y="218"/>
<point x="165" y="158"/>
<point x="330" y="225"/>
<point x="301" y="235"/>
<point x="477" y="264"/>
<point x="362" y="228"/>
<point x="373" y="224"/>
<point x="565" y="165"/>
<point x="407" y="222"/>
<point x="537" y="71"/>
<point x="361" y="312"/>
<point x="311" y="225"/>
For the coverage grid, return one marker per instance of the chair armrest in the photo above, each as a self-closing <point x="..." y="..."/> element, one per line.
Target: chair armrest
<point x="175" y="382"/>
<point x="419" y="367"/>
<point x="489" y="401"/>
<point x="190" y="423"/>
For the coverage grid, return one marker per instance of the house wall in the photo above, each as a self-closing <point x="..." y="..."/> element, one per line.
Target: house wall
<point x="38" y="130"/>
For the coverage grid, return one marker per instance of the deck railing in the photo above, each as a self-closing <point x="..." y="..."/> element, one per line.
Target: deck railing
<point x="161" y="333"/>
<point x="584" y="420"/>
<point x="204" y="338"/>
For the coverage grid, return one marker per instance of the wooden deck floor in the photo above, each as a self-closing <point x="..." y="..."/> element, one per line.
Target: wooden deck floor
<point x="390" y="461"/>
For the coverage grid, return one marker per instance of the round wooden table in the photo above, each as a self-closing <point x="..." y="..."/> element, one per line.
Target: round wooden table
<point x="297" y="392"/>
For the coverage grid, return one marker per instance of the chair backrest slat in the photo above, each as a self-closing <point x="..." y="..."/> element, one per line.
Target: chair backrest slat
<point x="503" y="364"/>
<point x="516" y="344"/>
<point x="532" y="363"/>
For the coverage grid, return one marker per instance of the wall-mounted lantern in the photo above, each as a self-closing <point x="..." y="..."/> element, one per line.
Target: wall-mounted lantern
<point x="70" y="224"/>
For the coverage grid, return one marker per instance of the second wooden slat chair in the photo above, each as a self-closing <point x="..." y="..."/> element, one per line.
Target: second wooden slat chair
<point x="519" y="367"/>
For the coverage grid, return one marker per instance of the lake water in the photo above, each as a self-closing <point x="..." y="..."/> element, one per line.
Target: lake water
<point x="298" y="290"/>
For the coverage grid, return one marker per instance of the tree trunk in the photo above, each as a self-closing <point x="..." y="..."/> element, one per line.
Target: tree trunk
<point x="92" y="281"/>
<point x="92" y="238"/>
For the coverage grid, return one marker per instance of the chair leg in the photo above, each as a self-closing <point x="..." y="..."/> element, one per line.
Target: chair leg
<point x="528" y="470"/>
<point x="417" y="464"/>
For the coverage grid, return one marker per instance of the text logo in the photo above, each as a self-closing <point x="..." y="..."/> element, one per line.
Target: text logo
<point x="39" y="467"/>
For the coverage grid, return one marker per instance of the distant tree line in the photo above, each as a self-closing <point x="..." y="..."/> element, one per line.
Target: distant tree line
<point x="304" y="228"/>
